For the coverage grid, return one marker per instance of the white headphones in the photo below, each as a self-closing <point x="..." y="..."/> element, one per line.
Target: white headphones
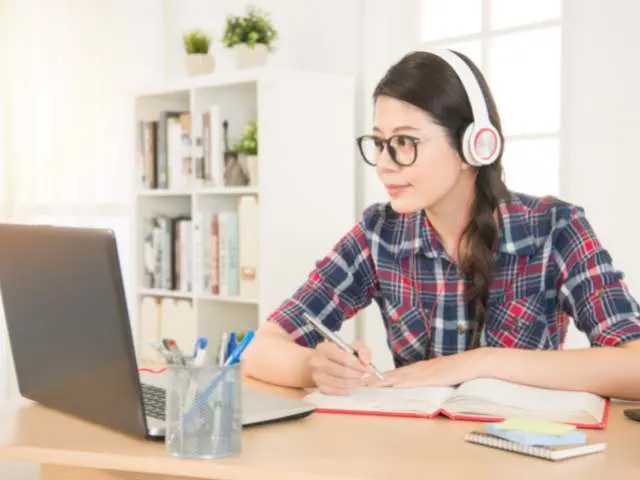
<point x="481" y="141"/>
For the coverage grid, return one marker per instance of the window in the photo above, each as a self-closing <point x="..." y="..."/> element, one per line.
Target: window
<point x="517" y="45"/>
<point x="3" y="165"/>
<point x="68" y="114"/>
<point x="70" y="148"/>
<point x="4" y="346"/>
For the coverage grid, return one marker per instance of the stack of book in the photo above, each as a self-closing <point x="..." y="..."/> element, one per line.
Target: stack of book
<point x="213" y="253"/>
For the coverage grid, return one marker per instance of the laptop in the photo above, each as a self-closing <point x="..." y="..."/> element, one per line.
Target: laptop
<point x="71" y="338"/>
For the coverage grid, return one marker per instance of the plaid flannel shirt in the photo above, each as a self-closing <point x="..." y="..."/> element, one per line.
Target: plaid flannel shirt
<point x="551" y="267"/>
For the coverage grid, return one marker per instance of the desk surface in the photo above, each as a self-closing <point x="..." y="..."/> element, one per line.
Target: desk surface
<point x="321" y="446"/>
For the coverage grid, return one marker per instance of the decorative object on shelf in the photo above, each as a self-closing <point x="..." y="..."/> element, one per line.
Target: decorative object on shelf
<point x="234" y="174"/>
<point x="198" y="60"/>
<point x="250" y="36"/>
<point x="248" y="147"/>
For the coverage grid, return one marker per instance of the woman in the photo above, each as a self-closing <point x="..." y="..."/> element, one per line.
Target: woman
<point x="472" y="280"/>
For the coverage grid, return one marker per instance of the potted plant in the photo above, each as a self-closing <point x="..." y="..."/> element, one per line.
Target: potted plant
<point x="247" y="145"/>
<point x="196" y="46"/>
<point x="250" y="37"/>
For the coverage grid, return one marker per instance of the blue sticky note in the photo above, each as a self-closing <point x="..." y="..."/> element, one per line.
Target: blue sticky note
<point x="530" y="438"/>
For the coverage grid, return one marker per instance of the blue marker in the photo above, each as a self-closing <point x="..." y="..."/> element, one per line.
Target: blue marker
<point x="237" y="352"/>
<point x="231" y="345"/>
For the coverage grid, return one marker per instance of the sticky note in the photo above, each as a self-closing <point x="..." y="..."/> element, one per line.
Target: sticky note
<point x="574" y="437"/>
<point x="535" y="426"/>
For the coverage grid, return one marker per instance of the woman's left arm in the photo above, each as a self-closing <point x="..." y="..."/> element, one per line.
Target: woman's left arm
<point x="595" y="295"/>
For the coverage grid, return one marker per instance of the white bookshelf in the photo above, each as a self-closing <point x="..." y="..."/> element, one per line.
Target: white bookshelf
<point x="305" y="192"/>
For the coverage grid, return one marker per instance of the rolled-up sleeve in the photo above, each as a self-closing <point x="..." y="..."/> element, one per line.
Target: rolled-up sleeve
<point x="341" y="284"/>
<point x="591" y="289"/>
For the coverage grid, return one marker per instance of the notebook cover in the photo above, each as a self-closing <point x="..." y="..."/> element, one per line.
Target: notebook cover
<point x="474" y="418"/>
<point x="377" y="413"/>
<point x="462" y="417"/>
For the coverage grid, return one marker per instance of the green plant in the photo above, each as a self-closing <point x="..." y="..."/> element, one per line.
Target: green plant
<point x="196" y="41"/>
<point x="252" y="28"/>
<point x="248" y="143"/>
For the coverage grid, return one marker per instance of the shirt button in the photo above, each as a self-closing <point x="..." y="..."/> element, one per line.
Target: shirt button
<point x="462" y="327"/>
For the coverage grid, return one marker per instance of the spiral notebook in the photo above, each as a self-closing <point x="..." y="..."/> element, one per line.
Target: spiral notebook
<point x="553" y="453"/>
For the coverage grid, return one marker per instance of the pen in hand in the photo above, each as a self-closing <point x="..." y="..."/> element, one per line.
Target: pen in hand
<point x="332" y="337"/>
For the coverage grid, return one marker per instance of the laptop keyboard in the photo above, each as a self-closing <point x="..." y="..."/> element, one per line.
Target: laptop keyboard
<point x="154" y="401"/>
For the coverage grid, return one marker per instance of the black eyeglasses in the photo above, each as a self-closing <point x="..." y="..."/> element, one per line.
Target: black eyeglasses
<point x="403" y="149"/>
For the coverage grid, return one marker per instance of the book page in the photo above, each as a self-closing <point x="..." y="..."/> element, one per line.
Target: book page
<point x="498" y="398"/>
<point x="423" y="400"/>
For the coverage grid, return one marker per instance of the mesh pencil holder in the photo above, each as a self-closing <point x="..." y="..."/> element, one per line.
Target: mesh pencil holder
<point x="204" y="411"/>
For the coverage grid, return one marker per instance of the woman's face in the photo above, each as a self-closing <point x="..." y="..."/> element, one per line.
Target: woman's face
<point x="437" y="167"/>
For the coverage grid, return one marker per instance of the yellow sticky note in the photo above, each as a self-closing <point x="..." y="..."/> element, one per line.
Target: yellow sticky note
<point x="536" y="426"/>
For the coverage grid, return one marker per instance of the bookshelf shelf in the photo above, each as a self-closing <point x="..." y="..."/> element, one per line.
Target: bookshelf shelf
<point x="228" y="299"/>
<point x="211" y="256"/>
<point x="227" y="191"/>
<point x="160" y="192"/>
<point x="156" y="292"/>
<point x="215" y="80"/>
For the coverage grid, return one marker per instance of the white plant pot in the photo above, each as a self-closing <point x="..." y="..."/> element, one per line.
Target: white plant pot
<point x="199" y="64"/>
<point x="247" y="57"/>
<point x="252" y="169"/>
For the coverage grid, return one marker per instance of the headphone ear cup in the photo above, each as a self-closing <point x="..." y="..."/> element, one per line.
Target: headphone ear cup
<point x="466" y="146"/>
<point x="481" y="145"/>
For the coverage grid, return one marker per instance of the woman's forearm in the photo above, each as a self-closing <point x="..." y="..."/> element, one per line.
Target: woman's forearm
<point x="608" y="371"/>
<point x="273" y="358"/>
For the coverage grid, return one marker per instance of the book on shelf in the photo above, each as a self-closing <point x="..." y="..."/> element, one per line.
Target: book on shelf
<point x="226" y="245"/>
<point x="147" y="153"/>
<point x="209" y="252"/>
<point x="164" y="151"/>
<point x="210" y="163"/>
<point x="482" y="399"/>
<point x="176" y="153"/>
<point x="167" y="253"/>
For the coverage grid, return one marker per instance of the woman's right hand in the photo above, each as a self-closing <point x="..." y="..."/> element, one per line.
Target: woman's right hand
<point x="336" y="372"/>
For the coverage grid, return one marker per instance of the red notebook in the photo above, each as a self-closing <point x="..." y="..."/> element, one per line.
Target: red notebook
<point x="483" y="399"/>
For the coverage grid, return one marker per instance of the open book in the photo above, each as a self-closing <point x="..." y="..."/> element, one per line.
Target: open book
<point x="482" y="399"/>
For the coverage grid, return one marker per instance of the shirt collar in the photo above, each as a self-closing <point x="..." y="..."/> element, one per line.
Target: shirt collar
<point x="419" y="237"/>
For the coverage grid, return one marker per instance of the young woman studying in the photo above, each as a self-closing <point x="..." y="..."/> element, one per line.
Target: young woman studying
<point x="472" y="280"/>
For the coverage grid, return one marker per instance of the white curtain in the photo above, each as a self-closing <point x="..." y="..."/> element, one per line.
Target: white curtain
<point x="68" y="122"/>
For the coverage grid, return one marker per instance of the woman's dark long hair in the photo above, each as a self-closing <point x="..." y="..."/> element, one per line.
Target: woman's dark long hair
<point x="428" y="82"/>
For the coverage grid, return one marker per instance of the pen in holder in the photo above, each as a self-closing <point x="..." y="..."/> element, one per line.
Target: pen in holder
<point x="204" y="411"/>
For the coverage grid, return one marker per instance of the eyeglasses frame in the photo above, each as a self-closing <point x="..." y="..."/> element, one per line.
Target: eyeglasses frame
<point x="386" y="144"/>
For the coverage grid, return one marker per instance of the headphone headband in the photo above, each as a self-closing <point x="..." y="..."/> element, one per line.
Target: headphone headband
<point x="469" y="81"/>
<point x="481" y="143"/>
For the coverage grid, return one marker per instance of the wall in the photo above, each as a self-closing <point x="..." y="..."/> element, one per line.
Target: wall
<point x="319" y="36"/>
<point x="601" y="112"/>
